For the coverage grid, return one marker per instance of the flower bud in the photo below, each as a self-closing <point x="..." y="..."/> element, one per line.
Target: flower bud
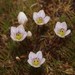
<point x="22" y="18"/>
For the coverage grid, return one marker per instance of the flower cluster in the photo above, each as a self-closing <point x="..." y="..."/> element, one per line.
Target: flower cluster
<point x="19" y="33"/>
<point x="40" y="18"/>
<point x="61" y="29"/>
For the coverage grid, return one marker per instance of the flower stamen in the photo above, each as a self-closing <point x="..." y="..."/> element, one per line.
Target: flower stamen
<point x="36" y="62"/>
<point x="18" y="36"/>
<point x="39" y="20"/>
<point x="61" y="32"/>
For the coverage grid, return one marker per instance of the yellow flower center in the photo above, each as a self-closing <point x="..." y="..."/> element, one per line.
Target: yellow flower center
<point x="18" y="36"/>
<point x="36" y="62"/>
<point x="39" y="20"/>
<point x="61" y="32"/>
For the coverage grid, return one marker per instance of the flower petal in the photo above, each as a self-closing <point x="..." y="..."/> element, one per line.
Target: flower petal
<point x="55" y="30"/>
<point x="13" y="32"/>
<point x="60" y="35"/>
<point x="39" y="54"/>
<point x="41" y="13"/>
<point x="22" y="18"/>
<point x="42" y="61"/>
<point x="46" y="19"/>
<point x="64" y="25"/>
<point x="68" y="32"/>
<point x="30" y="62"/>
<point x="13" y="37"/>
<point x="57" y="25"/>
<point x="21" y="29"/>
<point x="35" y="16"/>
<point x="36" y="66"/>
<point x="32" y="55"/>
<point x="60" y="25"/>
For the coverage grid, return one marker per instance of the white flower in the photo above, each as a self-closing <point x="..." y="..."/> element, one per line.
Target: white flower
<point x="36" y="60"/>
<point x="18" y="33"/>
<point x="40" y="18"/>
<point x="29" y="34"/>
<point x="22" y="18"/>
<point x="61" y="29"/>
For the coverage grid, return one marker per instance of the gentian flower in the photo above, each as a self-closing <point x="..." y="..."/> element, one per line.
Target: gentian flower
<point x="61" y="29"/>
<point x="18" y="33"/>
<point x="36" y="59"/>
<point x="40" y="18"/>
